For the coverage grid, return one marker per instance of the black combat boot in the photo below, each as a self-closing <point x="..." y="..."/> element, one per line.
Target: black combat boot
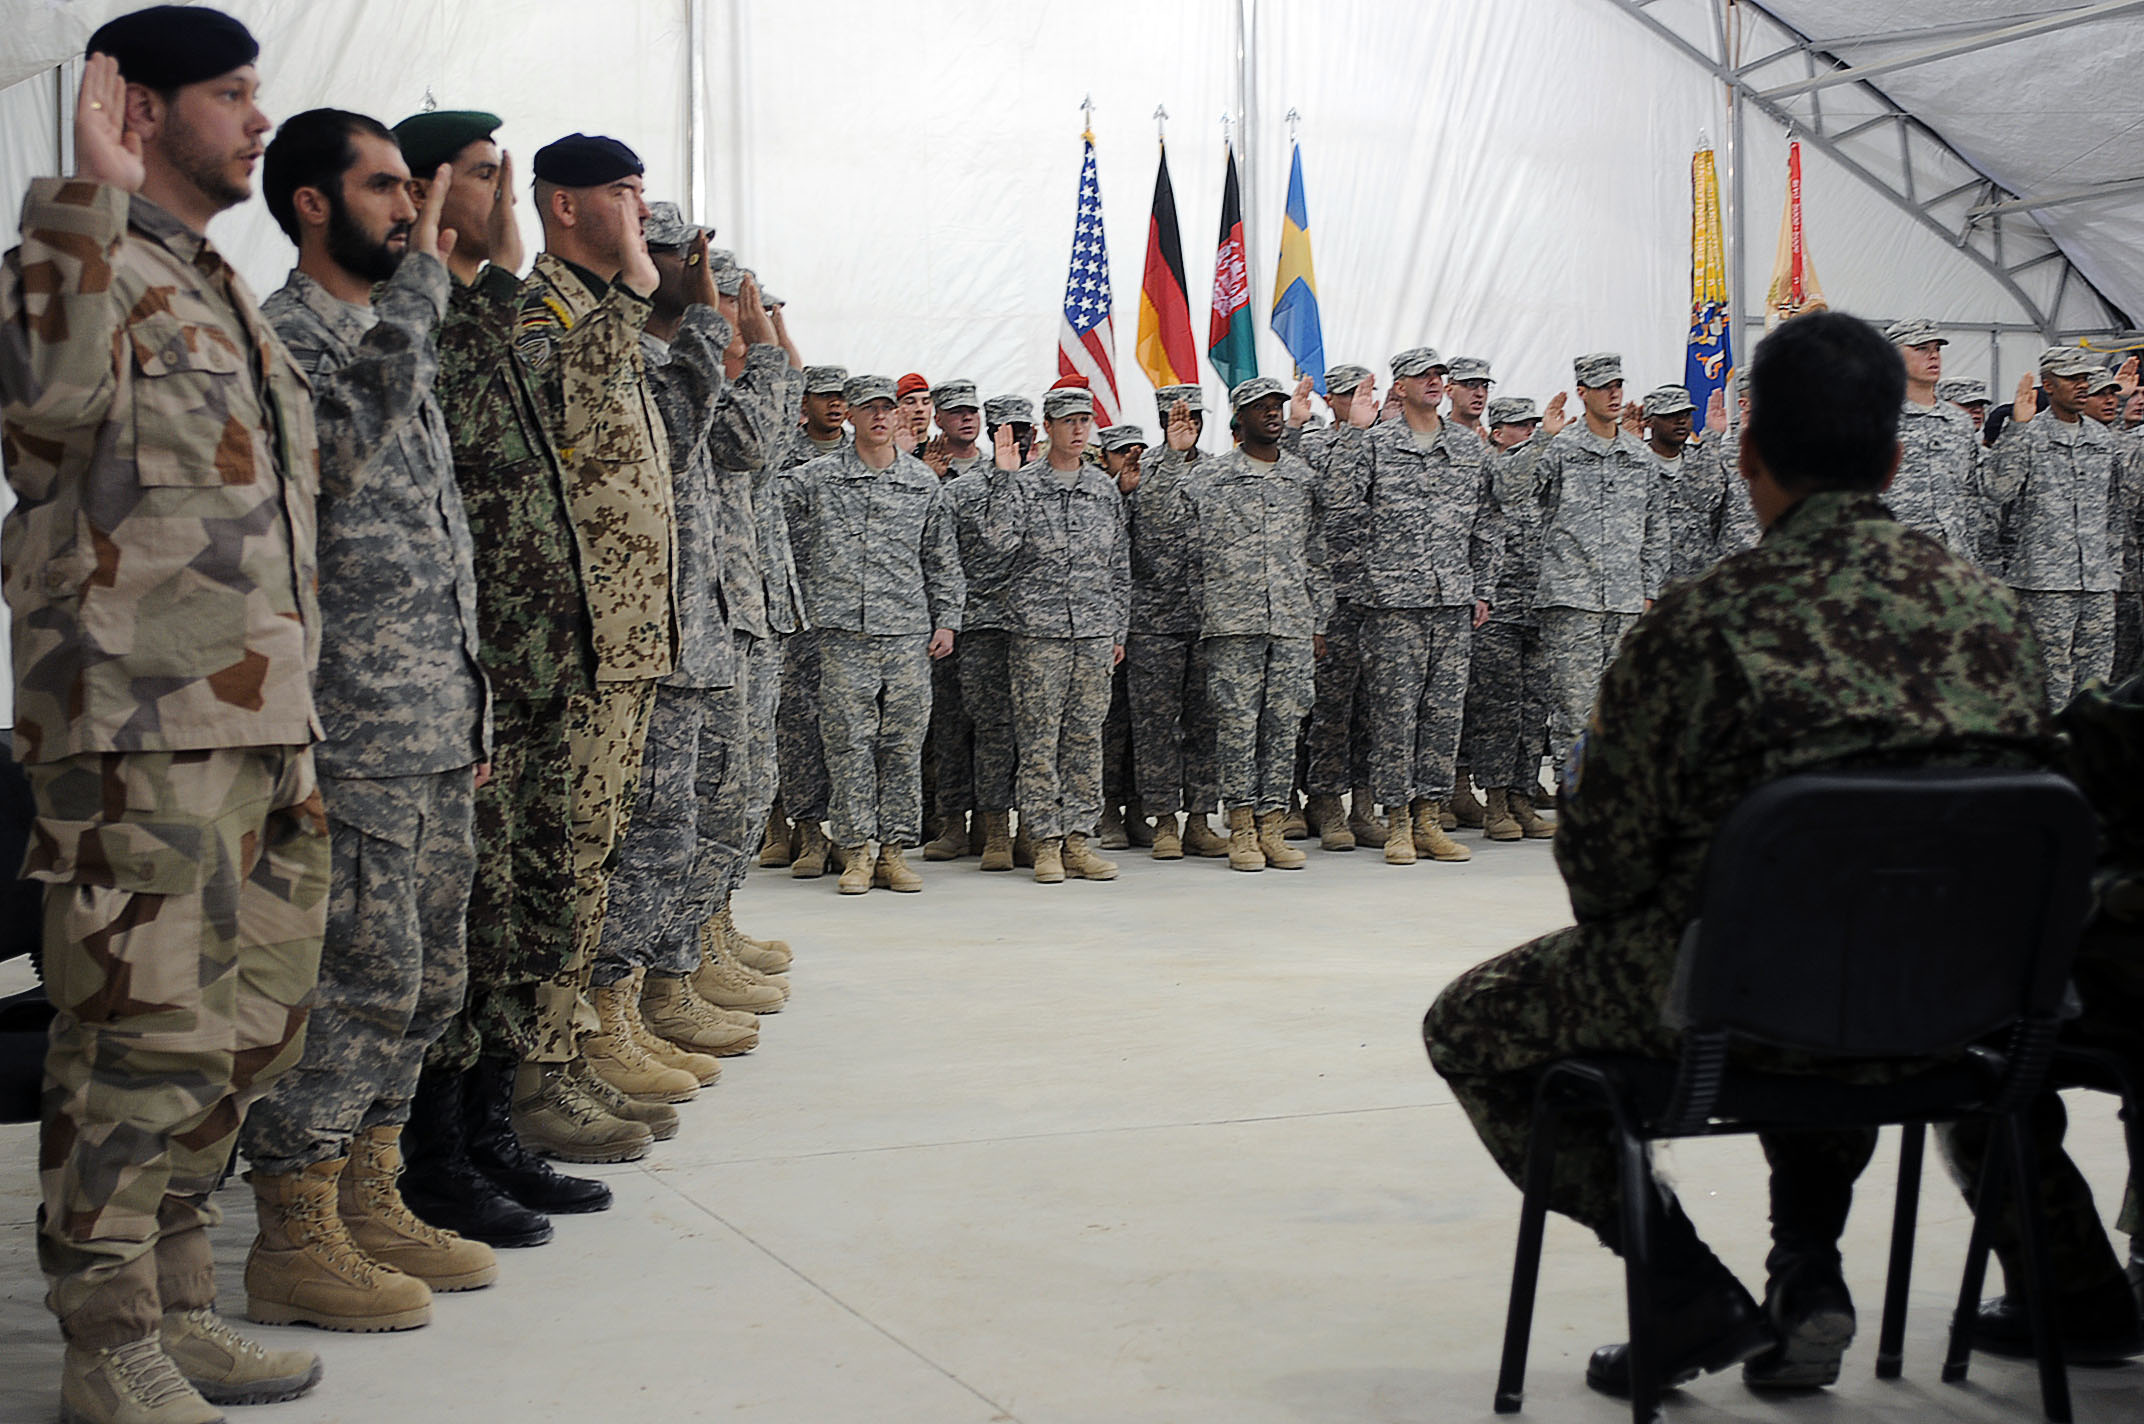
<point x="1703" y="1319"/>
<point x="440" y="1183"/>
<point x="499" y="1155"/>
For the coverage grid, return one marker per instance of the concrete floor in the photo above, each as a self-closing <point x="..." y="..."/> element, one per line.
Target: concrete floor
<point x="1151" y="1152"/>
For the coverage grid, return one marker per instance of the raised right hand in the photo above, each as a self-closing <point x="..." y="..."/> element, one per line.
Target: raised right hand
<point x="426" y="235"/>
<point x="1553" y="419"/>
<point x="1004" y="450"/>
<point x="105" y="151"/>
<point x="635" y="268"/>
<point x="2026" y="401"/>
<point x="1182" y="434"/>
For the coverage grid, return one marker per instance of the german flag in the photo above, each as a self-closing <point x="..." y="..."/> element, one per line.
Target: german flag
<point x="1164" y="347"/>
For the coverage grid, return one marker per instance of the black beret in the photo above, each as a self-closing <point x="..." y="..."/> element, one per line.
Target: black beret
<point x="581" y="161"/>
<point x="166" y="46"/>
<point x="433" y="138"/>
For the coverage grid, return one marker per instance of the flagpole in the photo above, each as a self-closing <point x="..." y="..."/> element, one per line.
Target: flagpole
<point x="1161" y="124"/>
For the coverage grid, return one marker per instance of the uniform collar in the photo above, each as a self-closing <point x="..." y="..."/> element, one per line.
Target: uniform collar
<point x="163" y="227"/>
<point x="1828" y="509"/>
<point x="346" y="320"/>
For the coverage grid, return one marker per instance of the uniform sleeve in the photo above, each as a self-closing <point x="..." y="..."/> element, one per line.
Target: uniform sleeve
<point x="749" y="416"/>
<point x="1120" y="571"/>
<point x="63" y="313"/>
<point x="602" y="346"/>
<point x="1485" y="548"/>
<point x="2008" y="472"/>
<point x="1655" y="551"/>
<point x="1317" y="557"/>
<point x="944" y="584"/>
<point x="998" y="526"/>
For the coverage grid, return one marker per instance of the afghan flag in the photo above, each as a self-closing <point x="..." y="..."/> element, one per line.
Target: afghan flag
<point x="1295" y="286"/>
<point x="1231" y="345"/>
<point x="1709" y="360"/>
<point x="1164" y="346"/>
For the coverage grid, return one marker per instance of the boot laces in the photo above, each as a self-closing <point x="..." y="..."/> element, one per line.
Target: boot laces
<point x="320" y="1224"/>
<point x="207" y="1323"/>
<point x="146" y="1372"/>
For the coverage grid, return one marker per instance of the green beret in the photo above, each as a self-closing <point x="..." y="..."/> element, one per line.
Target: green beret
<point x="431" y="139"/>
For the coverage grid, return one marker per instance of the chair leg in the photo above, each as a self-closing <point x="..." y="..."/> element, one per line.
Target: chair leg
<point x="1987" y="1205"/>
<point x="1891" y="1343"/>
<point x="2039" y="1274"/>
<point x="1526" y="1269"/>
<point x="1637" y="1197"/>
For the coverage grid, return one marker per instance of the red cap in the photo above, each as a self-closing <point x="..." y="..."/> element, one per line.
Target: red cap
<point x="1074" y="382"/>
<point x="910" y="384"/>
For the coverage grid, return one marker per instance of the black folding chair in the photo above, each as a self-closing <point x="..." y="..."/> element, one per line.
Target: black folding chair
<point x="1908" y="916"/>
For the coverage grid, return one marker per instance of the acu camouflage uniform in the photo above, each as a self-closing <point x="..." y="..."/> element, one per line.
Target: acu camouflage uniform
<point x="2129" y="611"/>
<point x="161" y="579"/>
<point x="1164" y="668"/>
<point x="2058" y="519"/>
<point x="949" y="742"/>
<point x="985" y="652"/>
<point x="403" y="701"/>
<point x="798" y="746"/>
<point x="1507" y="683"/>
<point x="1937" y="489"/>
<point x="1708" y="509"/>
<point x="1337" y="740"/>
<point x="1845" y="639"/>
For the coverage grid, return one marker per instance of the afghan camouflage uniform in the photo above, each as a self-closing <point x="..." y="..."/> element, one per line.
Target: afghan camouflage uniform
<point x="1845" y="638"/>
<point x="2058" y="511"/>
<point x="403" y="702"/>
<point x="1264" y="594"/>
<point x="161" y="577"/>
<point x="949" y="742"/>
<point x="583" y="345"/>
<point x="1604" y="552"/>
<point x="1338" y="738"/>
<point x="1432" y="544"/>
<point x="532" y="611"/>
<point x="1164" y="667"/>
<point x="880" y="568"/>
<point x="1507" y="683"/>
<point x="798" y="746"/>
<point x="985" y="652"/>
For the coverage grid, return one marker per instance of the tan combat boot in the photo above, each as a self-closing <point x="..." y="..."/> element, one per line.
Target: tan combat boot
<point x="1081" y="863"/>
<point x="1362" y="819"/>
<point x="660" y="1119"/>
<point x="725" y="982"/>
<point x="674" y="1013"/>
<point x="951" y="842"/>
<point x="1168" y="844"/>
<point x="1399" y="836"/>
<point x="1430" y="836"/>
<point x="1498" y="822"/>
<point x="1023" y="846"/>
<point x="1137" y="829"/>
<point x="768" y="956"/>
<point x="1446" y="821"/>
<point x="134" y="1383"/>
<point x="1273" y="843"/>
<point x="1329" y="818"/>
<point x="1109" y="833"/>
<point x="778" y="845"/>
<point x="552" y="1116"/>
<point x="702" y="1066"/>
<point x="1530" y="822"/>
<point x="226" y="1367"/>
<point x="892" y="871"/>
<point x="1199" y="837"/>
<point x="618" y="1058"/>
<point x="1243" y="851"/>
<point x="856" y="866"/>
<point x="1049" y="861"/>
<point x="1294" y="825"/>
<point x="997" y="840"/>
<point x="812" y="848"/>
<point x="305" y="1270"/>
<point x="1465" y="809"/>
<point x="385" y="1229"/>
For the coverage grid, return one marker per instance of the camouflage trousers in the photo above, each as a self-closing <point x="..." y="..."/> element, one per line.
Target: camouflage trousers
<point x="1260" y="691"/>
<point x="658" y="854"/>
<point x="986" y="696"/>
<point x="606" y="735"/>
<point x="2128" y="636"/>
<point x="1507" y="710"/>
<point x="521" y="899"/>
<point x="1117" y="780"/>
<point x="759" y="679"/>
<point x="874" y="703"/>
<point x="949" y="743"/>
<point x="181" y="943"/>
<point x="1414" y="675"/>
<point x="2075" y="632"/>
<point x="393" y="965"/>
<point x="1060" y="696"/>
<point x="1338" y="741"/>
<point x="798" y="744"/>
<point x="1171" y="722"/>
<point x="1576" y="649"/>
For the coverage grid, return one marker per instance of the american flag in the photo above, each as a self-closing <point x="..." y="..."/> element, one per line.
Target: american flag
<point x="1086" y="346"/>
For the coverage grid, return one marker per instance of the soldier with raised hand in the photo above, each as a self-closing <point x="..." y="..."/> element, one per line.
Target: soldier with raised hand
<point x="1701" y="491"/>
<point x="949" y="744"/>
<point x="1937" y="489"/>
<point x="883" y="589"/>
<point x="1118" y="449"/>
<point x="161" y="577"/>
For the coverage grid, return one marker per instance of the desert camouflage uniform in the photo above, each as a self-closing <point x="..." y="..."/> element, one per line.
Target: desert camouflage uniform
<point x="582" y="342"/>
<point x="403" y="700"/>
<point x="798" y="746"/>
<point x="880" y="568"/>
<point x="985" y="652"/>
<point x="2058" y="511"/>
<point x="1937" y="487"/>
<point x="1507" y="683"/>
<point x="1338" y="737"/>
<point x="161" y="579"/>
<point x="1164" y="669"/>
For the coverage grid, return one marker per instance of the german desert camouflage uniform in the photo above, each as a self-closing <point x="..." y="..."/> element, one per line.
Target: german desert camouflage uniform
<point x="402" y="696"/>
<point x="583" y="346"/>
<point x="880" y="567"/>
<point x="1507" y="679"/>
<point x="1338" y="737"/>
<point x="1936" y="490"/>
<point x="1843" y="640"/>
<point x="532" y="613"/>
<point x="161" y="577"/>
<point x="1433" y="543"/>
<point x="984" y="657"/>
<point x="1604" y="552"/>
<point x="1164" y="671"/>
<point x="798" y="747"/>
<point x="2058" y="509"/>
<point x="1264" y="594"/>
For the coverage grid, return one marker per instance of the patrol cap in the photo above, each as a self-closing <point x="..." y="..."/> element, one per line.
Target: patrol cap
<point x="433" y="138"/>
<point x="720" y="257"/>
<point x="586" y="161"/>
<point x="2068" y="361"/>
<point x="825" y="380"/>
<point x="168" y="46"/>
<point x="729" y="281"/>
<point x="1341" y="380"/>
<point x="1511" y="410"/>
<point x="1166" y="398"/>
<point x="1067" y="401"/>
<point x="1963" y="392"/>
<point x="1668" y="400"/>
<point x="1914" y="331"/>
<point x="1255" y="389"/>
<point x="955" y="395"/>
<point x="1469" y="368"/>
<point x="1417" y="361"/>
<point x="1121" y="437"/>
<point x="2102" y="382"/>
<point x="1008" y="410"/>
<point x="666" y="227"/>
<point x="859" y="389"/>
<point x="1598" y="369"/>
<point x="767" y="299"/>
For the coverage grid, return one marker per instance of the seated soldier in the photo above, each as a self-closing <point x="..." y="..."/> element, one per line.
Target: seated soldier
<point x="1844" y="638"/>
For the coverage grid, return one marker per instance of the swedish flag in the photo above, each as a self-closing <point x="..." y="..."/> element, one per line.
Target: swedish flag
<point x="1295" y="286"/>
